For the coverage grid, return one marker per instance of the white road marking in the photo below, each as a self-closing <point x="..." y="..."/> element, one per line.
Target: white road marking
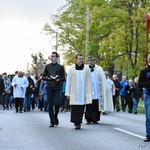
<point x="127" y="132"/>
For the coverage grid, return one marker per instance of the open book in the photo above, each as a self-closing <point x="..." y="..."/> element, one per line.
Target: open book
<point x="57" y="76"/>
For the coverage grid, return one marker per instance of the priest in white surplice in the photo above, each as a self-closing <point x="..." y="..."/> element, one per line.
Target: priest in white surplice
<point x="19" y="83"/>
<point x="99" y="93"/>
<point x="78" y="90"/>
<point x="92" y="114"/>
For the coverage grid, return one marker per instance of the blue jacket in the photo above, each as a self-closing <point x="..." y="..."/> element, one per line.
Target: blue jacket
<point x="64" y="87"/>
<point x="42" y="89"/>
<point x="123" y="84"/>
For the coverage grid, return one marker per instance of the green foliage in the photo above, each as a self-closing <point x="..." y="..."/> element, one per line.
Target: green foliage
<point x="38" y="63"/>
<point x="117" y="32"/>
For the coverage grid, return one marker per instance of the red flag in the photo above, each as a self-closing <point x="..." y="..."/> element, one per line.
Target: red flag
<point x="147" y="33"/>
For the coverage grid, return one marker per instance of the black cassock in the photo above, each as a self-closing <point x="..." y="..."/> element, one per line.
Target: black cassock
<point x="92" y="113"/>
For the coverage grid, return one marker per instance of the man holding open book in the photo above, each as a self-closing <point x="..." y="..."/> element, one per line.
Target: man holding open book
<point x="54" y="74"/>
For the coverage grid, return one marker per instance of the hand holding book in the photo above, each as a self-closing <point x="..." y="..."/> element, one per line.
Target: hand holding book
<point x="56" y="77"/>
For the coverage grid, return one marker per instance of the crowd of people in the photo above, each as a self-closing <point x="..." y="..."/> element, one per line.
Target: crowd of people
<point x="26" y="91"/>
<point x="84" y="86"/>
<point x="35" y="93"/>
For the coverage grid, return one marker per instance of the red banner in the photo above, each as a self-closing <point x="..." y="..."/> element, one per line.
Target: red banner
<point x="147" y="35"/>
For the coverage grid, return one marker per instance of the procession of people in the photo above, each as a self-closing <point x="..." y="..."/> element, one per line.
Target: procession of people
<point x="86" y="90"/>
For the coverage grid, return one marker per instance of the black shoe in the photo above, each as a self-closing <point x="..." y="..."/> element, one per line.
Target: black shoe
<point x="88" y="122"/>
<point x="56" y="122"/>
<point x="135" y="113"/>
<point x="51" y="125"/>
<point x="130" y="112"/>
<point x="16" y="111"/>
<point x="95" y="122"/>
<point x="147" y="140"/>
<point x="104" y="113"/>
<point x="118" y="110"/>
<point x="77" y="126"/>
<point x="24" y="110"/>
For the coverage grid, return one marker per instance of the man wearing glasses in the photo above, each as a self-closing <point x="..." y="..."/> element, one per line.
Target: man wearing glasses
<point x="99" y="87"/>
<point x="54" y="74"/>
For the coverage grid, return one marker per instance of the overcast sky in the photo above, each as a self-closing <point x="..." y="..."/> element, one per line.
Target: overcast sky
<point x="21" y="23"/>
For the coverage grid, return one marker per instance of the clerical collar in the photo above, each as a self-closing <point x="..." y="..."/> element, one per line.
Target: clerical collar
<point x="79" y="67"/>
<point x="92" y="68"/>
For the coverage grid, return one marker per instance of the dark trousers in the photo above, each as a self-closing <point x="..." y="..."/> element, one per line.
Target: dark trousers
<point x="92" y="113"/>
<point x="116" y="102"/>
<point x="1" y="99"/>
<point x="53" y="97"/>
<point x="64" y="101"/>
<point x="33" y="102"/>
<point x="77" y="112"/>
<point x="6" y="99"/>
<point x="18" y="103"/>
<point x="123" y="102"/>
<point x="130" y="103"/>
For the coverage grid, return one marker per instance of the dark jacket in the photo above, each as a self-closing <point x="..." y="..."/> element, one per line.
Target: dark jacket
<point x="129" y="90"/>
<point x="117" y="86"/>
<point x="137" y="92"/>
<point x="30" y="88"/>
<point x="2" y="88"/>
<point x="54" y="70"/>
<point x="37" y="87"/>
<point x="144" y="80"/>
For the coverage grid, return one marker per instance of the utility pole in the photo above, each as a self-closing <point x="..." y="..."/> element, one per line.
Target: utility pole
<point x="87" y="33"/>
<point x="56" y="41"/>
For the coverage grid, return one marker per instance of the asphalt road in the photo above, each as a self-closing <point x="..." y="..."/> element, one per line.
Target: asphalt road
<point x="31" y="131"/>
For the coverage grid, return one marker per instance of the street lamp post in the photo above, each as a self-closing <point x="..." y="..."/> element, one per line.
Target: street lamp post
<point x="56" y="41"/>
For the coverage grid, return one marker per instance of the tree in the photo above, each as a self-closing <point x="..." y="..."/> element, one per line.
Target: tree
<point x="117" y="32"/>
<point x="38" y="63"/>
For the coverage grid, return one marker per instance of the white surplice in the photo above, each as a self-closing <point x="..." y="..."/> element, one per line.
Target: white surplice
<point x="104" y="93"/>
<point x="95" y="87"/>
<point x="111" y="86"/>
<point x="78" y="86"/>
<point x="21" y="85"/>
